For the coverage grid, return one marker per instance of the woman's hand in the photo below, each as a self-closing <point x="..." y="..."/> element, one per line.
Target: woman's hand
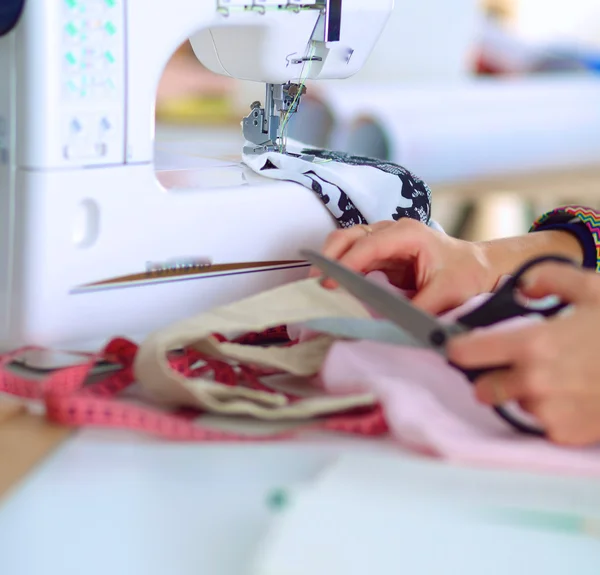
<point x="445" y="272"/>
<point x="555" y="363"/>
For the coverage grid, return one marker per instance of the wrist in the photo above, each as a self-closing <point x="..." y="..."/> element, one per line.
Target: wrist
<point x="504" y="256"/>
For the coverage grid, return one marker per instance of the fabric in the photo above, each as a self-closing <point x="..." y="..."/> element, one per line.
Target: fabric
<point x="356" y="190"/>
<point x="288" y="304"/>
<point x="587" y="229"/>
<point x="431" y="408"/>
<point x="428" y="406"/>
<point x="87" y="395"/>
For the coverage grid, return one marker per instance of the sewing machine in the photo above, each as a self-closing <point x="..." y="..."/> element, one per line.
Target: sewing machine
<point x="93" y="241"/>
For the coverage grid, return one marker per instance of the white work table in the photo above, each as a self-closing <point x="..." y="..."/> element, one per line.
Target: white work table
<point x="111" y="503"/>
<point x="107" y="503"/>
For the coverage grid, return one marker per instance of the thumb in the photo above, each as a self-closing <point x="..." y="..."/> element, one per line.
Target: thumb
<point x="569" y="283"/>
<point x="436" y="298"/>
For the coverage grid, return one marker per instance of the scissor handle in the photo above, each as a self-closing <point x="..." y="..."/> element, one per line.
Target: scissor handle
<point x="519" y="425"/>
<point x="516" y="277"/>
<point x="503" y="412"/>
<point x="503" y="304"/>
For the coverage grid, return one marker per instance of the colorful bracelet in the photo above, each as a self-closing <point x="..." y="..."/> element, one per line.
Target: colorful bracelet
<point x="582" y="222"/>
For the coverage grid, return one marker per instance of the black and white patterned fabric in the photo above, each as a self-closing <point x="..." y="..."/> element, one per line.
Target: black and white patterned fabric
<point x="356" y="190"/>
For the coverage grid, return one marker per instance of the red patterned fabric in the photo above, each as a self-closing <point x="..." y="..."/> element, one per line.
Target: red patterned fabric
<point x="71" y="400"/>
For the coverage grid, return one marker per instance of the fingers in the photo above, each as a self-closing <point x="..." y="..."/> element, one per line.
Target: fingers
<point x="337" y="243"/>
<point x="358" y="249"/>
<point x="571" y="284"/>
<point x="400" y="241"/>
<point x="488" y="347"/>
<point x="549" y="368"/>
<point x="500" y="387"/>
<point x="341" y="240"/>
<point x="438" y="297"/>
<point x="566" y="420"/>
<point x="401" y="276"/>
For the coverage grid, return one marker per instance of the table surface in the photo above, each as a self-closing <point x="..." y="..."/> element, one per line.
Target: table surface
<point x="112" y="503"/>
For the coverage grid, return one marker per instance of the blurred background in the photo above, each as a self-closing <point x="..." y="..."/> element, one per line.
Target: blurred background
<point x="495" y="103"/>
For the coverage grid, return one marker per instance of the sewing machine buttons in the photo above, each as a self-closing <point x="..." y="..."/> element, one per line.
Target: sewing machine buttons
<point x="93" y="44"/>
<point x="93" y="73"/>
<point x="105" y="124"/>
<point x="76" y="126"/>
<point x="88" y="138"/>
<point x="85" y="152"/>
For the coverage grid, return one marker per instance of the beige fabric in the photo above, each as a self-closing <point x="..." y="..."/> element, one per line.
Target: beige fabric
<point x="286" y="305"/>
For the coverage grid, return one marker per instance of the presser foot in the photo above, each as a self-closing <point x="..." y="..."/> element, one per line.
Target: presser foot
<point x="258" y="150"/>
<point x="261" y="149"/>
<point x="264" y="127"/>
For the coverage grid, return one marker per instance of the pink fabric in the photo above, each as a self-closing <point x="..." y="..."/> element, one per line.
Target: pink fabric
<point x="431" y="407"/>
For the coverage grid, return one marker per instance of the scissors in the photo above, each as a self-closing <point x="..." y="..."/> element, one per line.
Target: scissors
<point x="426" y="330"/>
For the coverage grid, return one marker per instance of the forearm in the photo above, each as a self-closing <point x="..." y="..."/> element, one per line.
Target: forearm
<point x="505" y="255"/>
<point x="571" y="231"/>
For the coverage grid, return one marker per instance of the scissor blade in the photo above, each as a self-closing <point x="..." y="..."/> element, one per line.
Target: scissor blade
<point x="419" y="324"/>
<point x="379" y="330"/>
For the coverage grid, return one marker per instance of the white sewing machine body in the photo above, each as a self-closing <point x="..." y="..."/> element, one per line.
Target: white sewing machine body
<point x="92" y="242"/>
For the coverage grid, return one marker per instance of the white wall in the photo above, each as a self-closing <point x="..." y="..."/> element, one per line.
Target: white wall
<point x="549" y="20"/>
<point x="425" y="40"/>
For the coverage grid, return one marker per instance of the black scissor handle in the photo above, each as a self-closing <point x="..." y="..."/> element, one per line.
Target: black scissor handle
<point x="512" y="419"/>
<point x="504" y="305"/>
<point x="501" y="306"/>
<point x="518" y="424"/>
